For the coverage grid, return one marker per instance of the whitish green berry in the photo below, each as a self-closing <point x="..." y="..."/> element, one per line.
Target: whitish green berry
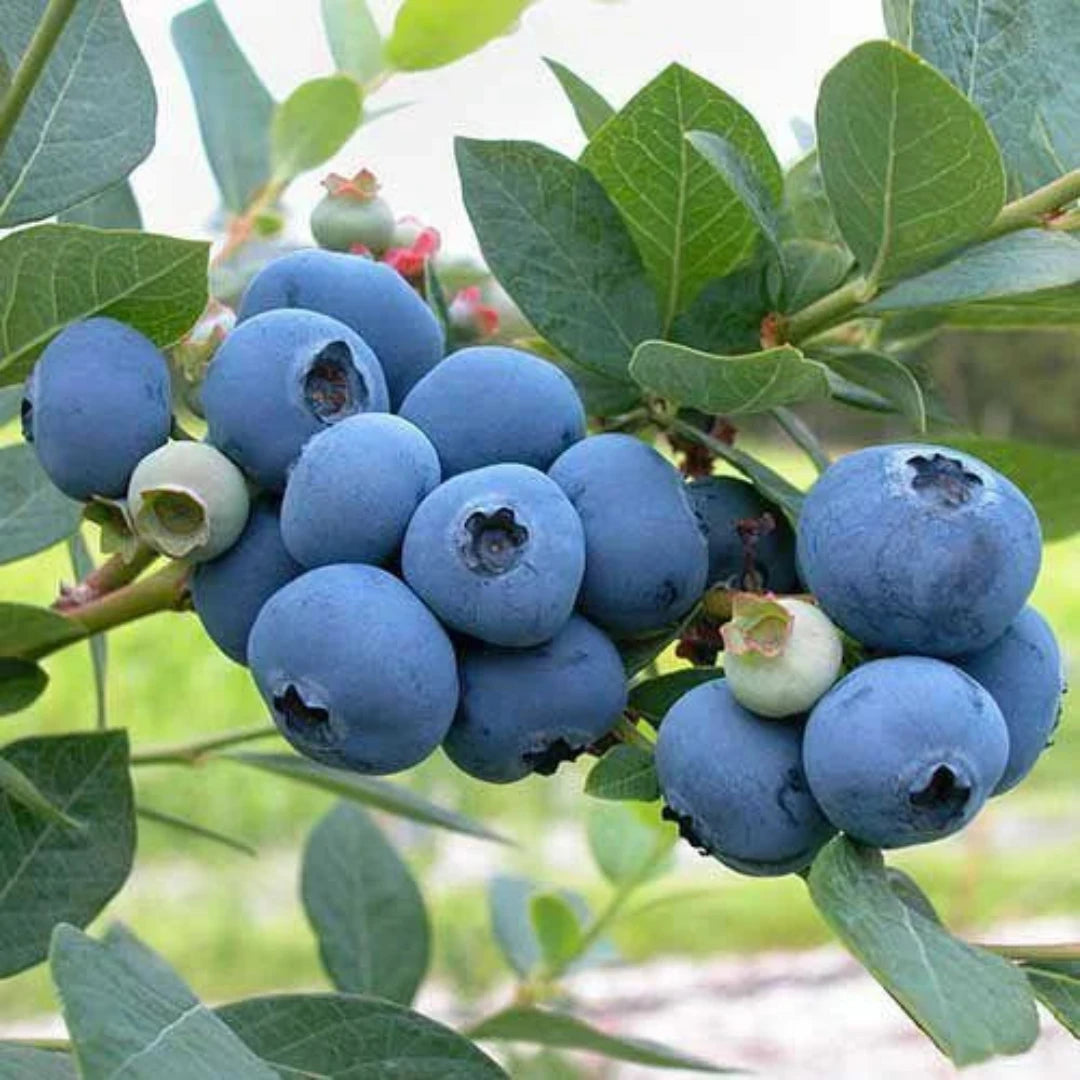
<point x="188" y="501"/>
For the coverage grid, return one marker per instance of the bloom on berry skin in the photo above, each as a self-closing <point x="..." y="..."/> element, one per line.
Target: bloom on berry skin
<point x="780" y="656"/>
<point x="469" y="315"/>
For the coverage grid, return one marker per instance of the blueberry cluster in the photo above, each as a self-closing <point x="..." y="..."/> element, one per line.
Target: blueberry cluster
<point x="412" y="550"/>
<point x="925" y="558"/>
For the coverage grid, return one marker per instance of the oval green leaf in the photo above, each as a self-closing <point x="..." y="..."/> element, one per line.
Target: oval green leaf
<point x="910" y="167"/>
<point x="630" y="843"/>
<point x="728" y="385"/>
<point x="21" y="684"/>
<point x="688" y="222"/>
<point x="971" y="1003"/>
<point x="313" y="124"/>
<point x="365" y="908"/>
<point x="555" y="924"/>
<point x="557" y="244"/>
<point x="157" y="284"/>
<point x="430" y="33"/>
<point x="49" y="872"/>
<point x="341" y="1036"/>
<point x="624" y="773"/>
<point x="88" y="121"/>
<point x="34" y="515"/>
<point x="653" y="697"/>
<point x="32" y="632"/>
<point x="883" y="375"/>
<point x="113" y="208"/>
<point x="354" y="38"/>
<point x="590" y="108"/>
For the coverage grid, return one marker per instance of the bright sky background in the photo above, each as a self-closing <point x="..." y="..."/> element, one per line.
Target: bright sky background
<point x="770" y="54"/>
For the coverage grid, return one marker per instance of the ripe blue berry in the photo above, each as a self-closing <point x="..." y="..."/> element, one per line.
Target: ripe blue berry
<point x="229" y="592"/>
<point x="735" y="784"/>
<point x="489" y="404"/>
<point x="904" y="751"/>
<point x="356" y="671"/>
<point x="646" y="558"/>
<point x="372" y="299"/>
<point x="528" y="710"/>
<point x="751" y="544"/>
<point x="497" y="553"/>
<point x="1022" y="670"/>
<point x="97" y="402"/>
<point x="280" y="378"/>
<point x="352" y="492"/>
<point x="918" y="549"/>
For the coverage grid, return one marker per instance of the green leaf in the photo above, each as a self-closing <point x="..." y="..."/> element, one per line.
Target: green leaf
<point x="21" y="684"/>
<point x="18" y="787"/>
<point x="1016" y="61"/>
<point x="907" y="889"/>
<point x="556" y="926"/>
<point x="368" y="790"/>
<point x="726" y="315"/>
<point x="313" y="124"/>
<point x="83" y="565"/>
<point x="1045" y="474"/>
<point x="53" y="275"/>
<point x="23" y="1062"/>
<point x="624" y="773"/>
<point x="113" y="208"/>
<point x="509" y="905"/>
<point x="590" y="108"/>
<point x="545" y="1027"/>
<point x="347" y="1037"/>
<point x="558" y="246"/>
<point x="740" y="175"/>
<point x="728" y="385"/>
<point x="32" y="632"/>
<point x="629" y="842"/>
<point x="688" y="222"/>
<point x="354" y="38"/>
<point x="883" y="375"/>
<point x="1022" y="262"/>
<point x="50" y="873"/>
<point x="34" y="515"/>
<point x="180" y="824"/>
<point x="805" y="212"/>
<point x="10" y="403"/>
<point x="1057" y="985"/>
<point x="130" y="1014"/>
<point x="1052" y="307"/>
<point x="365" y="908"/>
<point x="971" y="1003"/>
<point x="88" y="121"/>
<point x="431" y="33"/>
<point x="653" y="697"/>
<point x="233" y="106"/>
<point x="905" y="190"/>
<point x="813" y="268"/>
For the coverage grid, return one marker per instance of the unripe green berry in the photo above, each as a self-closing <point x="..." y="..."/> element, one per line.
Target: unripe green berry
<point x="188" y="501"/>
<point x="780" y="655"/>
<point x="351" y="216"/>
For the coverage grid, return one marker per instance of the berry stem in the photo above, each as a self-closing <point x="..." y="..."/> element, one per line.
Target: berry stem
<point x="23" y="81"/>
<point x="111" y="575"/>
<point x="167" y="590"/>
<point x="801" y="435"/>
<point x="242" y="226"/>
<point x="194" y="752"/>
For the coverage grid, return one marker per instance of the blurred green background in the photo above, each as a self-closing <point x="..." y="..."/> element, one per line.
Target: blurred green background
<point x="234" y="926"/>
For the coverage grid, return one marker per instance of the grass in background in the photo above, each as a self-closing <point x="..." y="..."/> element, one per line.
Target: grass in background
<point x="234" y="925"/>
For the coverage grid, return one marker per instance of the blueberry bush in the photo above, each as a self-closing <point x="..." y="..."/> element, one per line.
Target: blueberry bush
<point x="482" y="515"/>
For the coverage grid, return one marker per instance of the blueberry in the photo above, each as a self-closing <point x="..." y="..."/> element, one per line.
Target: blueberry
<point x="489" y="404"/>
<point x="371" y="298"/>
<point x="280" y="378"/>
<point x="497" y="553"/>
<point x="97" y="402"/>
<point x="751" y="544"/>
<point x="354" y="488"/>
<point x="646" y="558"/>
<point x="735" y="784"/>
<point x="904" y="751"/>
<point x="918" y="549"/>
<point x="1022" y="670"/>
<point x="357" y="673"/>
<point x="188" y="501"/>
<point x="528" y="710"/>
<point x="229" y="591"/>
